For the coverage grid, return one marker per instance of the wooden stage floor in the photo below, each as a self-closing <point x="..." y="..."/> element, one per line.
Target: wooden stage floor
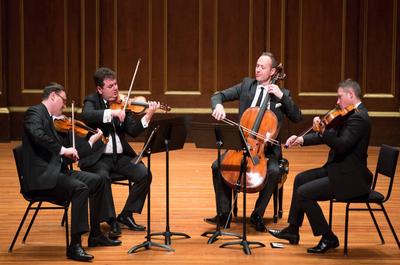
<point x="191" y="200"/>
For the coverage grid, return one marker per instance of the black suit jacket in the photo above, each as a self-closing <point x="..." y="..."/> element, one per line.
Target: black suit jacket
<point x="42" y="161"/>
<point x="92" y="114"/>
<point x="347" y="160"/>
<point x="245" y="92"/>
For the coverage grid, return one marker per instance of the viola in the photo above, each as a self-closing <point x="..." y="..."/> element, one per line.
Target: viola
<point x="260" y="127"/>
<point x="64" y="125"/>
<point x="136" y="104"/>
<point x="335" y="117"/>
<point x="331" y="119"/>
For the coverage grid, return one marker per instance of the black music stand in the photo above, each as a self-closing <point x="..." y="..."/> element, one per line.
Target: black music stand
<point x="243" y="168"/>
<point x="146" y="151"/>
<point x="242" y="175"/>
<point x="225" y="137"/>
<point x="171" y="136"/>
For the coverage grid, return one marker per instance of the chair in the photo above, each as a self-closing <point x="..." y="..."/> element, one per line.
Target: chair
<point x="35" y="199"/>
<point x="278" y="193"/>
<point x="386" y="166"/>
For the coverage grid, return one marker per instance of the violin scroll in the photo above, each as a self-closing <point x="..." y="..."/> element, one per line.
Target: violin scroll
<point x="279" y="74"/>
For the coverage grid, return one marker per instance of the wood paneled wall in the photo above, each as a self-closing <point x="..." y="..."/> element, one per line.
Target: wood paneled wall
<point x="192" y="48"/>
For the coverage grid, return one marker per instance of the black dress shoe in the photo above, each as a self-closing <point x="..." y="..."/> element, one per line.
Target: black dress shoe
<point x="258" y="222"/>
<point x="324" y="245"/>
<point x="129" y="222"/>
<point x="102" y="240"/>
<point x="76" y="252"/>
<point x="284" y="234"/>
<point x="222" y="221"/>
<point x="115" y="230"/>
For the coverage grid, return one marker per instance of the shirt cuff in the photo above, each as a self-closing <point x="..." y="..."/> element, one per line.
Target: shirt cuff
<point x="62" y="151"/>
<point x="107" y="116"/>
<point x="145" y="124"/>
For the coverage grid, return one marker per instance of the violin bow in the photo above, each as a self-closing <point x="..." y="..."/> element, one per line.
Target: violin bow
<point x="73" y="123"/>
<point x="130" y="88"/>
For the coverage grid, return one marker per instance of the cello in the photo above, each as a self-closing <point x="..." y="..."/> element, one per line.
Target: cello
<point x="260" y="127"/>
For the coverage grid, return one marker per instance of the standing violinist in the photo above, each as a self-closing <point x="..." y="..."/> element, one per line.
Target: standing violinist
<point x="45" y="159"/>
<point x="251" y="93"/>
<point x="116" y="156"/>
<point x="344" y="176"/>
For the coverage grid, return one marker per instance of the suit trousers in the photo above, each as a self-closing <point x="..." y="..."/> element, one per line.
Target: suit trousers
<point x="78" y="187"/>
<point x="310" y="187"/>
<point x="135" y="173"/>
<point x="223" y="193"/>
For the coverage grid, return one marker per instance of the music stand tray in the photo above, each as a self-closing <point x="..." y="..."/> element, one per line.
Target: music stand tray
<point x="171" y="136"/>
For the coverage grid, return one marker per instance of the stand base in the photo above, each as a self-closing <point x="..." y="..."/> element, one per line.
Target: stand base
<point x="168" y="234"/>
<point x="245" y="244"/>
<point x="215" y="234"/>
<point x="147" y="245"/>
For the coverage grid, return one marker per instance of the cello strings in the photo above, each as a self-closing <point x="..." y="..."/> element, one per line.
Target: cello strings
<point x="257" y="135"/>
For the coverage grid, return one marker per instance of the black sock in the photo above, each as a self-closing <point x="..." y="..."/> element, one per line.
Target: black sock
<point x="75" y="239"/>
<point x="126" y="213"/>
<point x="111" y="220"/>
<point x="329" y="235"/>
<point x="293" y="229"/>
<point x="95" y="230"/>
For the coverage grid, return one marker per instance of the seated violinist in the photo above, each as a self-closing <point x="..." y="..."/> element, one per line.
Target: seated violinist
<point x="344" y="176"/>
<point x="46" y="157"/>
<point x="254" y="93"/>
<point x="116" y="156"/>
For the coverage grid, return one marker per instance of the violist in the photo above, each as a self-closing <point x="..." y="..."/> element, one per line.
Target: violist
<point x="344" y="176"/>
<point x="251" y="93"/>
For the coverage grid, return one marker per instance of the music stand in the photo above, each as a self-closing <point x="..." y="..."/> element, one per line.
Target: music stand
<point x="147" y="151"/>
<point x="226" y="137"/>
<point x="171" y="136"/>
<point x="242" y="175"/>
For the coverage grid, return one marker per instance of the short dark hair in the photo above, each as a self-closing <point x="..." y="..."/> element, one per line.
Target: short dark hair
<point x="351" y="84"/>
<point x="52" y="87"/>
<point x="274" y="61"/>
<point x="103" y="73"/>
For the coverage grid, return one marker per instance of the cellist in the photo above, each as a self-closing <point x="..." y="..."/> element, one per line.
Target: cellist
<point x="250" y="93"/>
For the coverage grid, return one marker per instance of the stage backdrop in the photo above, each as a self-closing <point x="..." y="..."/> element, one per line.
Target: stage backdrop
<point x="192" y="48"/>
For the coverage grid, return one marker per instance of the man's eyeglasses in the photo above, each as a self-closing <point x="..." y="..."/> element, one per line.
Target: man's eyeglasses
<point x="63" y="99"/>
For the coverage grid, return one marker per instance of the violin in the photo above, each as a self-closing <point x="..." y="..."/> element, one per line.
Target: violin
<point x="64" y="125"/>
<point x="136" y="104"/>
<point x="260" y="127"/>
